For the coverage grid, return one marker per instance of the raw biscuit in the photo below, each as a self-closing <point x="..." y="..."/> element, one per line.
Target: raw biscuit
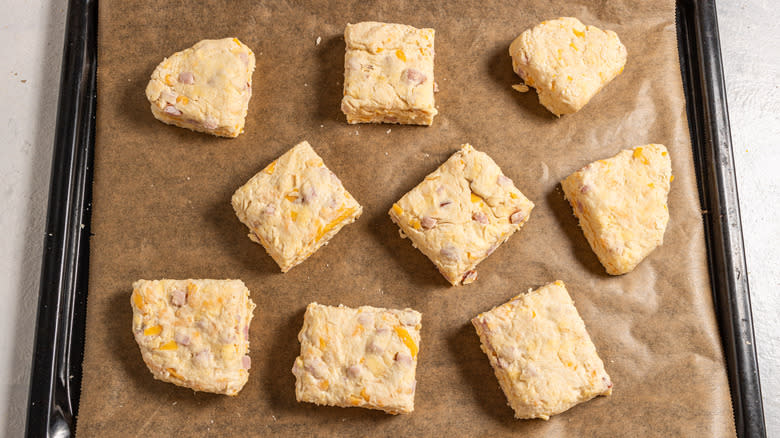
<point x="294" y="206"/>
<point x="541" y="353"/>
<point x="388" y="74"/>
<point x="461" y="213"/>
<point x="621" y="203"/>
<point x="364" y="357"/>
<point x="194" y="333"/>
<point x="567" y="62"/>
<point x="205" y="88"/>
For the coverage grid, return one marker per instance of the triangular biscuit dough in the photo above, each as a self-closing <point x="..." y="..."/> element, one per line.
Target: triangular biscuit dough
<point x="621" y="203"/>
<point x="205" y="88"/>
<point x="567" y="62"/>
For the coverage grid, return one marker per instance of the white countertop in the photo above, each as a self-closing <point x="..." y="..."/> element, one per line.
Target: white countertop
<point x="32" y="33"/>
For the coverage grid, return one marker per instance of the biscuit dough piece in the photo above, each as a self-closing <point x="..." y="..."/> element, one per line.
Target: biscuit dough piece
<point x="461" y="213"/>
<point x="294" y="206"/>
<point x="364" y="357"/>
<point x="194" y="333"/>
<point x="567" y="62"/>
<point x="541" y="353"/>
<point x="205" y="88"/>
<point x="388" y="74"/>
<point x="621" y="203"/>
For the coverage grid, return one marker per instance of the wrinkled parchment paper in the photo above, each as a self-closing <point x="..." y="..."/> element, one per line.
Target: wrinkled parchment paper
<point x="162" y="209"/>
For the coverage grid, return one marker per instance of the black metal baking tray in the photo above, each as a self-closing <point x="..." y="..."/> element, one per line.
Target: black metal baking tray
<point x="708" y="119"/>
<point x="59" y="340"/>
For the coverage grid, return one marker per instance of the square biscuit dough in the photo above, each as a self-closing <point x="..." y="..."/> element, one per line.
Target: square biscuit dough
<point x="205" y="88"/>
<point x="621" y="203"/>
<point x="294" y="206"/>
<point x="194" y="333"/>
<point x="567" y="62"/>
<point x="459" y="214"/>
<point x="388" y="74"/>
<point x="541" y="353"/>
<point x="364" y="357"/>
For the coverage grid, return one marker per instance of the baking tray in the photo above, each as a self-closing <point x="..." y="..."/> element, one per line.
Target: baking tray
<point x="59" y="340"/>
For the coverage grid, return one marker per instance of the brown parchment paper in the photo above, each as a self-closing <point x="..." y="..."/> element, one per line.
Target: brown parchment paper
<point x="162" y="209"/>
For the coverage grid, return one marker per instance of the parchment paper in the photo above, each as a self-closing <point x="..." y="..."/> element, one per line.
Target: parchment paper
<point x="162" y="209"/>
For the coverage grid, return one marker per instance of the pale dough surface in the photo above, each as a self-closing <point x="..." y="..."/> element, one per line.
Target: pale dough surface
<point x="194" y="333"/>
<point x="364" y="357"/>
<point x="388" y="74"/>
<point x="462" y="212"/>
<point x="205" y="88"/>
<point x="294" y="206"/>
<point x="541" y="353"/>
<point x="567" y="62"/>
<point x="621" y="203"/>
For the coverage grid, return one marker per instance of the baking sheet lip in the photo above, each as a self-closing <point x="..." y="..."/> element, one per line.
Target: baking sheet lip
<point x="707" y="109"/>
<point x="58" y="346"/>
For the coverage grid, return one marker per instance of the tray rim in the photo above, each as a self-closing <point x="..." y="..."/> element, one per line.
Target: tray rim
<point x="58" y="347"/>
<point x="704" y="84"/>
<point x="55" y="380"/>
